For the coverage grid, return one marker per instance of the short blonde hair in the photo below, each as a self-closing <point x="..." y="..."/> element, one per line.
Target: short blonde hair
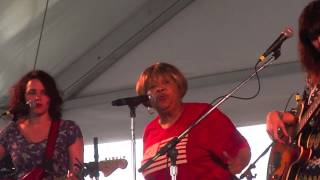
<point x="161" y="69"/>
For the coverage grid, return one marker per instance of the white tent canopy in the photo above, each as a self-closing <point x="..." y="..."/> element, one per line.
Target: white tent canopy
<point x="96" y="50"/>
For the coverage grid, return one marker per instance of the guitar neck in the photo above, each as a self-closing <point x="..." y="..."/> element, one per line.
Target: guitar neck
<point x="108" y="166"/>
<point x="308" y="114"/>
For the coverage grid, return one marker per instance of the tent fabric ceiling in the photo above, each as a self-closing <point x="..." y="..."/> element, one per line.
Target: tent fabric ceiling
<point x="96" y="50"/>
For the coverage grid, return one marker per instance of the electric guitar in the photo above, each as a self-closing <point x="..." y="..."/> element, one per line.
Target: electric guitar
<point x="107" y="167"/>
<point x="285" y="159"/>
<point x="35" y="174"/>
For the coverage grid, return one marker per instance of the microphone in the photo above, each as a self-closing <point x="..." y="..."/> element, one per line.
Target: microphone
<point x="287" y="33"/>
<point x="131" y="101"/>
<point x="20" y="108"/>
<point x="31" y="104"/>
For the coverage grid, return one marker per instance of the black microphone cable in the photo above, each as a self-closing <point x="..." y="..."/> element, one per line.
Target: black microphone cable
<point x="245" y="98"/>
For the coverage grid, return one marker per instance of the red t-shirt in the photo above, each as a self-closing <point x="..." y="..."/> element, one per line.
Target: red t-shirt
<point x="200" y="153"/>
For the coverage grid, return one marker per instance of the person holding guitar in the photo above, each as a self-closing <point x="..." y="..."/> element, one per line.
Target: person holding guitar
<point x="27" y="138"/>
<point x="298" y="155"/>
<point x="213" y="149"/>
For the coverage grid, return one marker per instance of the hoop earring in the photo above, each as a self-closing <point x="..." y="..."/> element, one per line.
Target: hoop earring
<point x="150" y="110"/>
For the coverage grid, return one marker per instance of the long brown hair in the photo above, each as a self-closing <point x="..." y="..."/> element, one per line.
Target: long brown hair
<point x="309" y="30"/>
<point x="17" y="94"/>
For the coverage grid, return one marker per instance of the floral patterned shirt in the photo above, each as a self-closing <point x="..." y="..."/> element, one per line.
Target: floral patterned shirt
<point x="26" y="155"/>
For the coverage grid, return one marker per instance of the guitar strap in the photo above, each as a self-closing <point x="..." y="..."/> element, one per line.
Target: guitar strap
<point x="52" y="138"/>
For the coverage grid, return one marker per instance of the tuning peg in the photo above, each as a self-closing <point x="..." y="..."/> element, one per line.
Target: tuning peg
<point x="298" y="97"/>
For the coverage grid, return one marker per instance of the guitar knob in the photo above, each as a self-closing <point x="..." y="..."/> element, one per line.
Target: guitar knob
<point x="298" y="97"/>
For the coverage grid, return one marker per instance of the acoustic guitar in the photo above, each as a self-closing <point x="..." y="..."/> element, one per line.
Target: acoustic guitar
<point x="285" y="159"/>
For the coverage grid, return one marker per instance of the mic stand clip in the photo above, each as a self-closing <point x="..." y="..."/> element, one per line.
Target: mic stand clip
<point x="173" y="153"/>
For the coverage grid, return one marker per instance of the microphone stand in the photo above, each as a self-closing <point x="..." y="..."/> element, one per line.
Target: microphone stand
<point x="132" y="102"/>
<point x="247" y="173"/>
<point x="173" y="153"/>
<point x="133" y="107"/>
<point x="172" y="143"/>
<point x="96" y="157"/>
<point x="91" y="168"/>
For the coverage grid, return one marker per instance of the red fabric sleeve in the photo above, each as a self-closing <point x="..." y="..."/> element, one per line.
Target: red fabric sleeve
<point x="225" y="136"/>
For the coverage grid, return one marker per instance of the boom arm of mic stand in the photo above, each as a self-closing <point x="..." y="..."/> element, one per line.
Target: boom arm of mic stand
<point x="176" y="140"/>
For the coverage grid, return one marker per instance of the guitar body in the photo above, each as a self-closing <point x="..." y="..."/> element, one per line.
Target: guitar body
<point x="36" y="174"/>
<point x="285" y="160"/>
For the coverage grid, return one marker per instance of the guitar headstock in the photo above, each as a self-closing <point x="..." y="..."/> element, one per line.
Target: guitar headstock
<point x="108" y="166"/>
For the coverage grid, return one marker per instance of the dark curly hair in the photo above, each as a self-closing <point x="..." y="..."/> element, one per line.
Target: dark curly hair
<point x="17" y="94"/>
<point x="309" y="30"/>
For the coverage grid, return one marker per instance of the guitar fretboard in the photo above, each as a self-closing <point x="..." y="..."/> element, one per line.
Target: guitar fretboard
<point x="307" y="115"/>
